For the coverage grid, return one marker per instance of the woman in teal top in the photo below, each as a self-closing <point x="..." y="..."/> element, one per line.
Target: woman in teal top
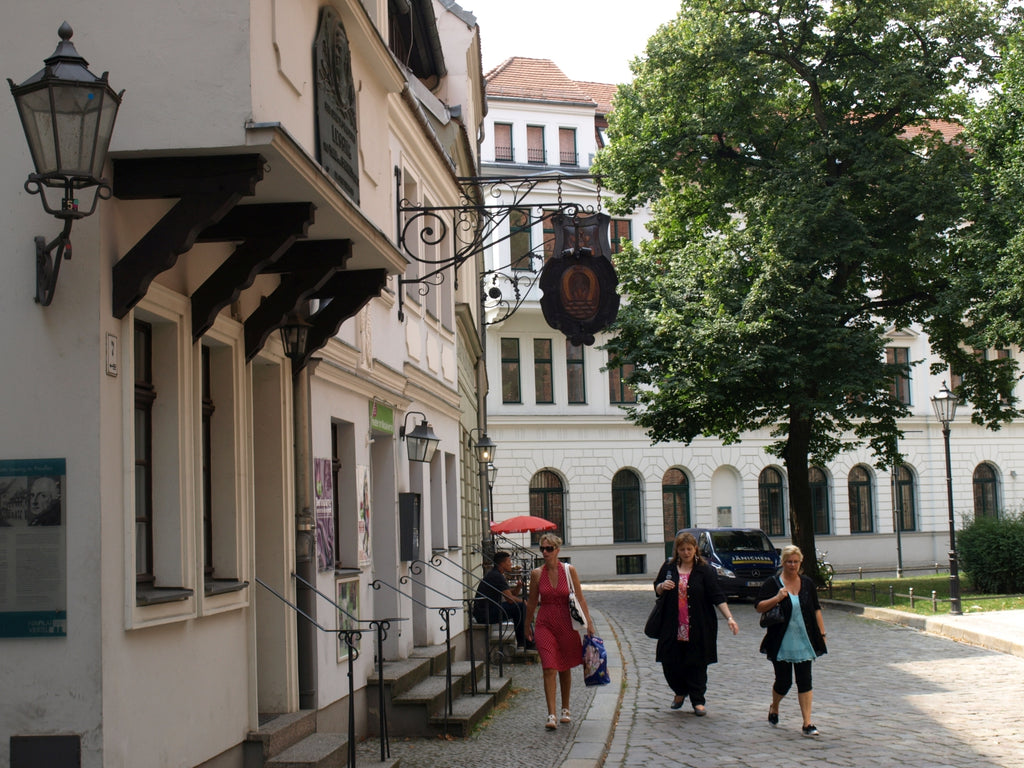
<point x="792" y="645"/>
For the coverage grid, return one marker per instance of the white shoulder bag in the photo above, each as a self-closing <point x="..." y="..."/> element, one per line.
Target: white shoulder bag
<point x="575" y="609"/>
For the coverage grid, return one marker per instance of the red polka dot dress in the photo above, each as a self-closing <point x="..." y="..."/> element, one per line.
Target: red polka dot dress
<point x="558" y="642"/>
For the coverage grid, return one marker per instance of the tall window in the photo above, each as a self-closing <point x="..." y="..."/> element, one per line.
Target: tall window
<point x="503" y="143"/>
<point x="567" y="147"/>
<point x="511" y="390"/>
<point x="145" y="395"/>
<point x="218" y="464"/>
<point x="547" y="500"/>
<point x="769" y="498"/>
<point x="626" y="506"/>
<point x="956" y="378"/>
<point x="819" y="500"/>
<point x="543" y="371"/>
<point x="535" y="143"/>
<point x="899" y="358"/>
<point x="675" y="503"/>
<point x="861" y="512"/>
<point x="905" y="503"/>
<point x="619" y="392"/>
<point x="207" y="463"/>
<point x="548" y="233"/>
<point x="1004" y="354"/>
<point x="986" y="501"/>
<point x="520" y="240"/>
<point x="336" y="496"/>
<point x="574" y="373"/>
<point x="620" y="229"/>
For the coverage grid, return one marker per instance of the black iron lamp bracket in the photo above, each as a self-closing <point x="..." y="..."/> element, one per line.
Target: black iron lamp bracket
<point x="50" y="255"/>
<point x="486" y="203"/>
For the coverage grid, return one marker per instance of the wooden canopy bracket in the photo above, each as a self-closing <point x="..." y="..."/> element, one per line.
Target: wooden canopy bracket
<point x="208" y="188"/>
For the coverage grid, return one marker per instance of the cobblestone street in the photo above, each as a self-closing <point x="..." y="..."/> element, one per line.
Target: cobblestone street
<point x="884" y="696"/>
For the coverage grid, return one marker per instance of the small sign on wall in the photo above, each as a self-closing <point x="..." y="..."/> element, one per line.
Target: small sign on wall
<point x="724" y="519"/>
<point x="111" y="348"/>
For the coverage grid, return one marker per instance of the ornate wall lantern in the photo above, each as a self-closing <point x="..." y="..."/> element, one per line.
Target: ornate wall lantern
<point x="295" y="336"/>
<point x="421" y="442"/>
<point x="68" y="116"/>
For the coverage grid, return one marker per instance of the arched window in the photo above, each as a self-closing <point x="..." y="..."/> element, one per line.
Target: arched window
<point x="675" y="503"/>
<point x="769" y="497"/>
<point x="861" y="513"/>
<point x="986" y="501"/>
<point x="626" y="507"/>
<point x="906" y="506"/>
<point x="547" y="500"/>
<point x="819" y="500"/>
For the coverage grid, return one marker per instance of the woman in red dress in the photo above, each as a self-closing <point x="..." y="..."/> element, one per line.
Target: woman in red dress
<point x="558" y="641"/>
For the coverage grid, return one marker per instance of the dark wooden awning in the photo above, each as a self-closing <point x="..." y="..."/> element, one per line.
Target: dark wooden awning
<point x="269" y="239"/>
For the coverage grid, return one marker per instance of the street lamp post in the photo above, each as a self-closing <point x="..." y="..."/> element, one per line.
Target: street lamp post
<point x="945" y="404"/>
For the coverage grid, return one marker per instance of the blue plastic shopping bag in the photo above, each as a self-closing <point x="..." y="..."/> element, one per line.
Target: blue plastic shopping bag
<point x="595" y="661"/>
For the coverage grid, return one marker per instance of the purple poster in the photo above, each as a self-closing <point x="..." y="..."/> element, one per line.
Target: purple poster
<point x="323" y="501"/>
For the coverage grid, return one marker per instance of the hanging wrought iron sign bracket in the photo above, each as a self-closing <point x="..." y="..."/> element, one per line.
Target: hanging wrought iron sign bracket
<point x="482" y="220"/>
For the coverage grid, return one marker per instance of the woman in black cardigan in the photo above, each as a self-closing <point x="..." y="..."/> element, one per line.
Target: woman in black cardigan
<point x="792" y="645"/>
<point x="686" y="647"/>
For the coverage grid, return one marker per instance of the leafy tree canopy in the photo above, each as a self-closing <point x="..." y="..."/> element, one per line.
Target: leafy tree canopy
<point x="994" y="240"/>
<point x="803" y="194"/>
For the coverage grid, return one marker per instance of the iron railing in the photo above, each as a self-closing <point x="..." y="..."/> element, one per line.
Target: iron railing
<point x="351" y="637"/>
<point x="435" y="562"/>
<point x="445" y="612"/>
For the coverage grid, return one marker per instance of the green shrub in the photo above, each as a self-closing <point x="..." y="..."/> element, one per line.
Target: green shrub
<point x="992" y="553"/>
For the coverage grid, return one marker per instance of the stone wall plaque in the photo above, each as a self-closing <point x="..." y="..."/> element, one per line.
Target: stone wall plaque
<point x="337" y="139"/>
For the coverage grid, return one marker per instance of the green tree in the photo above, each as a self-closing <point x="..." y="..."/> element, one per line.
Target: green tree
<point x="803" y="193"/>
<point x="994" y="241"/>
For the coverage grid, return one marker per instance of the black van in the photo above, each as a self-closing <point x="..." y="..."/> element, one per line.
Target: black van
<point x="742" y="557"/>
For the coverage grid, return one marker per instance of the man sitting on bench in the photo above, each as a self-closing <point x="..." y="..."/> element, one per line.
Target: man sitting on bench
<point x="495" y="597"/>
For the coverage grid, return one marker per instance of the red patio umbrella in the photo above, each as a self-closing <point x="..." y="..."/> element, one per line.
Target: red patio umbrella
<point x="523" y="524"/>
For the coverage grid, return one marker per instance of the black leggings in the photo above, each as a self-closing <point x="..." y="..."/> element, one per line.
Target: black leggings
<point x="784" y="671"/>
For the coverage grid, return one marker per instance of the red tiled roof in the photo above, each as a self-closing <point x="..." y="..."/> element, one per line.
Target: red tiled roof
<point x="602" y="93"/>
<point x="950" y="131"/>
<point x="537" y="79"/>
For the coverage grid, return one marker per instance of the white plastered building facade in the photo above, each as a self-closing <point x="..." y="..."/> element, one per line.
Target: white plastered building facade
<point x="193" y="447"/>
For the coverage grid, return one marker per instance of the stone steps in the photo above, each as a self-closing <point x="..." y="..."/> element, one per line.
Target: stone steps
<point x="292" y="741"/>
<point x="417" y="703"/>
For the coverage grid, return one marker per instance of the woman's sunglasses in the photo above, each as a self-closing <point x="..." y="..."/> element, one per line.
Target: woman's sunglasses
<point x="547" y="549"/>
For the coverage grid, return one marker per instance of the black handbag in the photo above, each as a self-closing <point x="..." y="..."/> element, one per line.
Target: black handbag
<point x="772" y="616"/>
<point x="657" y="616"/>
<point x="653" y="626"/>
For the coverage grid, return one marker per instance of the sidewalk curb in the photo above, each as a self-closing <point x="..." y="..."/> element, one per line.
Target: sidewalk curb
<point x="956" y="628"/>
<point x="594" y="734"/>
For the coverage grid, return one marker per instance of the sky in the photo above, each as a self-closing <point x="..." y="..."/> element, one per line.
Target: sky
<point x="592" y="41"/>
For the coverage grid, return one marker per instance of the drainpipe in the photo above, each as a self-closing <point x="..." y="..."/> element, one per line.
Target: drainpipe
<point x="305" y="540"/>
<point x="486" y="513"/>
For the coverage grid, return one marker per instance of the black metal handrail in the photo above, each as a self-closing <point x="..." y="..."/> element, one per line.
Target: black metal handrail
<point x="351" y="637"/>
<point x="435" y="562"/>
<point x="445" y="613"/>
<point x="416" y="567"/>
<point x="380" y="627"/>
